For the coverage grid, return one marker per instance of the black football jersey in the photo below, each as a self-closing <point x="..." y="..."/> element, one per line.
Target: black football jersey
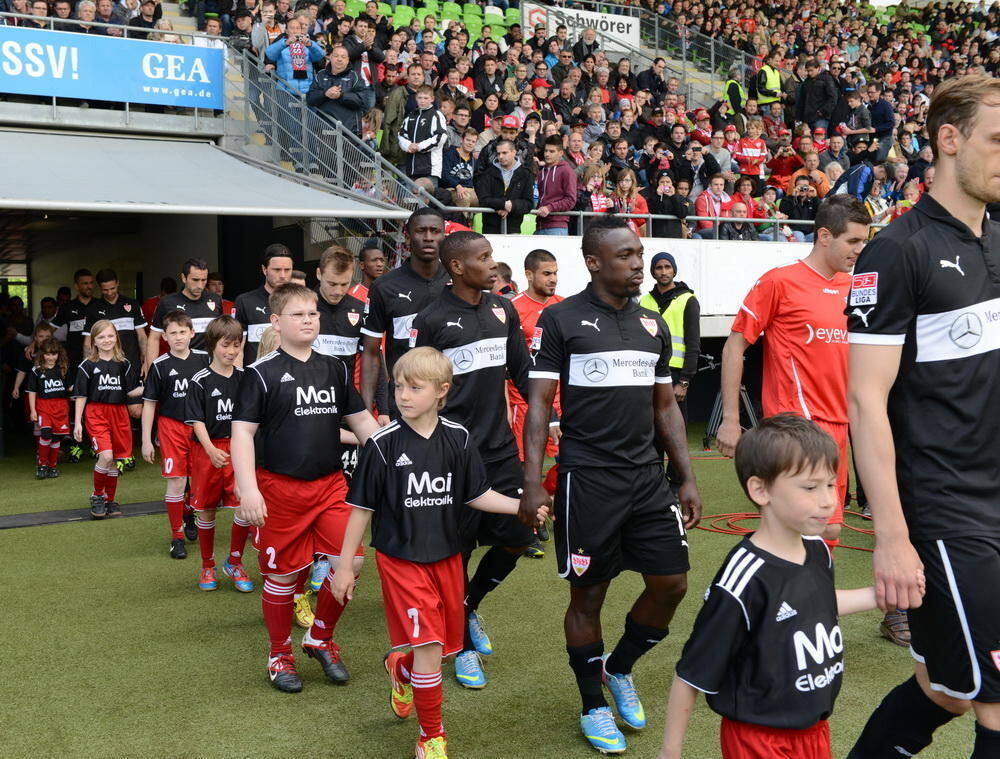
<point x="298" y="406"/>
<point x="928" y="284"/>
<point x="417" y="488"/>
<point x="106" y="381"/>
<point x="483" y="342"/>
<point x="201" y="311"/>
<point x="766" y="647"/>
<point x="393" y="302"/>
<point x="169" y="380"/>
<point x="48" y="383"/>
<point x="254" y="313"/>
<point x="73" y="315"/>
<point x="607" y="362"/>
<point x="340" y="329"/>
<point x="211" y="399"/>
<point x="126" y="314"/>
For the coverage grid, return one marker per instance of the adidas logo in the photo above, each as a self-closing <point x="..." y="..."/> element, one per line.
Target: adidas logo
<point x="173" y="373"/>
<point x="216" y="392"/>
<point x="785" y="612"/>
<point x="286" y="377"/>
<point x="404" y="460"/>
<point x="96" y="370"/>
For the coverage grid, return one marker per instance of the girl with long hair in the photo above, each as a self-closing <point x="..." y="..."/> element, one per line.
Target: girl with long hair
<point x="48" y="387"/>
<point x="626" y="199"/>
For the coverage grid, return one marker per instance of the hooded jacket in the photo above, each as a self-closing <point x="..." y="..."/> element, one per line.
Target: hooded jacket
<point x="428" y="129"/>
<point x="494" y="191"/>
<point x="557" y="190"/>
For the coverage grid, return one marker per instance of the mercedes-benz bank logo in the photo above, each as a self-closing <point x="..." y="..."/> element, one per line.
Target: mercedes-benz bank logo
<point x="595" y="370"/>
<point x="463" y="359"/>
<point x="966" y="330"/>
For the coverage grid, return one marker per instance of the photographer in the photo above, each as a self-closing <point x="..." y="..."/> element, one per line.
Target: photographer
<point x="785" y="163"/>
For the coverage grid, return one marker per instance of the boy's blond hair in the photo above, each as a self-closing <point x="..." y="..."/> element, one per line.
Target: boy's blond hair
<point x="284" y="293"/>
<point x="424" y="364"/>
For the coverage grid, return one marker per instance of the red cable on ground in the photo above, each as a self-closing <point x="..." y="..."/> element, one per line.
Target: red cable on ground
<point x="729" y="526"/>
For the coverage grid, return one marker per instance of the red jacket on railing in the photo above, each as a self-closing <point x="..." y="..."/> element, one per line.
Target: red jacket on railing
<point x="706" y="205"/>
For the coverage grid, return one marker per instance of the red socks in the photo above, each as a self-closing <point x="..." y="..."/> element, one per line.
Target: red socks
<point x="277" y="602"/>
<point x="110" y="482"/>
<point x="54" y="446"/>
<point x="175" y="513"/>
<point x="101" y="477"/>
<point x="404" y="667"/>
<point x="427" y="701"/>
<point x="238" y="541"/>
<point x="43" y="452"/>
<point x="328" y="611"/>
<point x="206" y="540"/>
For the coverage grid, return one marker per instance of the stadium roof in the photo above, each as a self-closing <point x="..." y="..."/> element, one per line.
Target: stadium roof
<point x="79" y="172"/>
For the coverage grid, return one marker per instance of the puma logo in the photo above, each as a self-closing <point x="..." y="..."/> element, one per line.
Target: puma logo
<point x="407" y="295"/>
<point x="585" y="323"/>
<point x="455" y="323"/>
<point x="862" y="315"/>
<point x="945" y="264"/>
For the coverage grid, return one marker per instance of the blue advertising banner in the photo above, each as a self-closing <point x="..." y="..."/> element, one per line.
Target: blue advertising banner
<point x="86" y="66"/>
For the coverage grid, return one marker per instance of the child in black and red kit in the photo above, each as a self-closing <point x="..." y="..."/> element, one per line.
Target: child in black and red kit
<point x="208" y="408"/>
<point x="48" y="387"/>
<point x="416" y="475"/>
<point x="106" y="392"/>
<point x="167" y="383"/>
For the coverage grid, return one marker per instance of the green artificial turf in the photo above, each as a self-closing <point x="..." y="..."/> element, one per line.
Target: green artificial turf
<point x="112" y="651"/>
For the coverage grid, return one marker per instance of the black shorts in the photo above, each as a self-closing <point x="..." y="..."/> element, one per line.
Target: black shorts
<point x="607" y="520"/>
<point x="956" y="631"/>
<point x="486" y="529"/>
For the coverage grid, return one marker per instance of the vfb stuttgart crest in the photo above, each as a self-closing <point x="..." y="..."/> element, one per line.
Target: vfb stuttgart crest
<point x="211" y="305"/>
<point x="649" y="324"/>
<point x="579" y="562"/>
<point x="353" y="317"/>
<point x="500" y="314"/>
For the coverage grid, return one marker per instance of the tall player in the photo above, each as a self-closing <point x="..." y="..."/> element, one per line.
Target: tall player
<point x="397" y="297"/>
<point x="480" y="334"/>
<point x="72" y="315"/>
<point x="122" y="311"/>
<point x="612" y="509"/>
<point x="924" y="357"/>
<point x="193" y="300"/>
<point x="252" y="309"/>
<point x="286" y="457"/>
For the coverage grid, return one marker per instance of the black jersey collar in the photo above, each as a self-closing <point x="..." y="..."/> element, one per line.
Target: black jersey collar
<point x="408" y="266"/>
<point x="629" y="306"/>
<point x="930" y="207"/>
<point x="453" y="300"/>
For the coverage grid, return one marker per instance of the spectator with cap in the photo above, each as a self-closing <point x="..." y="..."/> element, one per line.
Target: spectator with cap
<point x="541" y="88"/>
<point x="509" y="130"/>
<point x="146" y="19"/>
<point x="702" y="132"/>
<point x="539" y="42"/>
<point x="338" y="91"/>
<point x="506" y="186"/>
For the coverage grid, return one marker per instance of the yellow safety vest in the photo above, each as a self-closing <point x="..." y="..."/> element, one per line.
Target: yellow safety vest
<point x="674" y="317"/>
<point x="725" y="96"/>
<point x="773" y="82"/>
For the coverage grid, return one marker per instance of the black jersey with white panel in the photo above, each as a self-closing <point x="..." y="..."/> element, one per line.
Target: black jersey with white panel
<point x="106" y="381"/>
<point x="607" y="361"/>
<point x="340" y="329"/>
<point x="484" y="342"/>
<point x="393" y="302"/>
<point x="252" y="310"/>
<point x="201" y="311"/>
<point x="48" y="383"/>
<point x="73" y="316"/>
<point x="928" y="284"/>
<point x="766" y="647"/>
<point x="298" y="406"/>
<point x="417" y="488"/>
<point x="211" y="398"/>
<point x="126" y="314"/>
<point x="169" y="380"/>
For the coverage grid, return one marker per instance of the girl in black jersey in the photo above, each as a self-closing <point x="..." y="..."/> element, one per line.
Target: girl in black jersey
<point x="105" y="393"/>
<point x="48" y="389"/>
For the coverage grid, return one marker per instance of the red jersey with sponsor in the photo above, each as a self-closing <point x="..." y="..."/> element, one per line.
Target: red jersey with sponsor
<point x="805" y="353"/>
<point x="360" y="292"/>
<point x="528" y="310"/>
<point x="750" y="155"/>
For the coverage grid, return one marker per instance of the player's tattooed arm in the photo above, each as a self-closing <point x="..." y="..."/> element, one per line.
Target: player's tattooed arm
<point x="541" y="393"/>
<point x="252" y="508"/>
<point x="672" y="433"/>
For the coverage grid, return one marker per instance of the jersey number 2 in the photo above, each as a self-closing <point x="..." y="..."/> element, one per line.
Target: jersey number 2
<point x="414" y="614"/>
<point x="271" y="556"/>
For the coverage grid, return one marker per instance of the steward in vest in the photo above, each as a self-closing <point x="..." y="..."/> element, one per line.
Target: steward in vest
<point x="734" y="94"/>
<point x="769" y="80"/>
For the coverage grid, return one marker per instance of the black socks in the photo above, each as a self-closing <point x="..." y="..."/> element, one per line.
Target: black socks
<point x="637" y="640"/>
<point x="586" y="663"/>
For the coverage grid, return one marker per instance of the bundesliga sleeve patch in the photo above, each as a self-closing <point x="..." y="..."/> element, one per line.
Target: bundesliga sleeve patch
<point x="864" y="289"/>
<point x="536" y="339"/>
<point x="413" y="338"/>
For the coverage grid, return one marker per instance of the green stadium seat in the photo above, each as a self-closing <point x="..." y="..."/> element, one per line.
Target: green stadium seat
<point x="451" y="10"/>
<point x="471" y="9"/>
<point x="385" y="9"/>
<point x="513" y="16"/>
<point x="402" y="16"/>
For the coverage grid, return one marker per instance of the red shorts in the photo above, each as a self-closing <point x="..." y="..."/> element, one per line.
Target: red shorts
<point x="110" y="428"/>
<point x="424" y="603"/>
<point x="175" y="447"/>
<point x="54" y="413"/>
<point x="209" y="485"/>
<point x="518" y="411"/>
<point x="303" y="518"/>
<point x="741" y="740"/>
<point x="839" y="434"/>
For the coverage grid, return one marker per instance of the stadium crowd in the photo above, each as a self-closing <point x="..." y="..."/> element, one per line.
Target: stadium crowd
<point x="483" y="114"/>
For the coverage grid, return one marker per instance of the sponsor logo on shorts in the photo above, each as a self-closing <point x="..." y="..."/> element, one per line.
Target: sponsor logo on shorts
<point x="580" y="562"/>
<point x="864" y="289"/>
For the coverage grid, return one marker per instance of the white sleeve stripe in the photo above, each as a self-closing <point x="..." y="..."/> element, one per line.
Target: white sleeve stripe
<point x="697" y="687"/>
<point x="664" y="380"/>
<point x="369" y="333"/>
<point x="862" y="338"/>
<point x="744" y="308"/>
<point x="543" y="375"/>
<point x="358" y="506"/>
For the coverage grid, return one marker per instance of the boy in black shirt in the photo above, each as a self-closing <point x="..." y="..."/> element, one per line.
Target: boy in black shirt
<point x="766" y="648"/>
<point x="415" y="476"/>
